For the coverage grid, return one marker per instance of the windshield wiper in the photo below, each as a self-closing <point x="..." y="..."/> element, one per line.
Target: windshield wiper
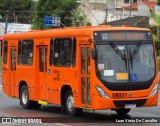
<point x="120" y="53"/>
<point x="134" y="53"/>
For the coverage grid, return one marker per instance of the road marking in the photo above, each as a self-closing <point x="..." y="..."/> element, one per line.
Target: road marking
<point x="60" y="124"/>
<point x="2" y="114"/>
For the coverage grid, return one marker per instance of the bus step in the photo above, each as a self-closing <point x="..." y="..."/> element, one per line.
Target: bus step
<point x="42" y="102"/>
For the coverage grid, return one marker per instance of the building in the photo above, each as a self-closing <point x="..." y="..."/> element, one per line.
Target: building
<point x="145" y="8"/>
<point x="107" y="10"/>
<point x="103" y="11"/>
<point x="97" y="11"/>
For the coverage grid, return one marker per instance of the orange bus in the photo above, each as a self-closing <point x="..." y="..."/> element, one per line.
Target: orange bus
<point x="96" y="68"/>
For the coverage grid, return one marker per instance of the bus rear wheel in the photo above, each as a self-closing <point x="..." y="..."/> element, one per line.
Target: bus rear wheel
<point x="69" y="105"/>
<point x="122" y="111"/>
<point x="24" y="99"/>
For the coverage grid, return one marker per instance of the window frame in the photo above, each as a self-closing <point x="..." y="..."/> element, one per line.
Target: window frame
<point x="62" y="44"/>
<point x="5" y="60"/>
<point x="20" y="55"/>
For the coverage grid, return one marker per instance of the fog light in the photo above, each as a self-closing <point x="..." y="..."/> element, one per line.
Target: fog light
<point x="101" y="92"/>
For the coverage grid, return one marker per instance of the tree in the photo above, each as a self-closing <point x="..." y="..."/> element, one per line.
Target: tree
<point x="156" y="18"/>
<point x="57" y="8"/>
<point x="78" y="19"/>
<point x="17" y="10"/>
<point x="158" y="2"/>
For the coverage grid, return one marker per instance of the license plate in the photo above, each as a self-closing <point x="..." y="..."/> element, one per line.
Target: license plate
<point x="130" y="106"/>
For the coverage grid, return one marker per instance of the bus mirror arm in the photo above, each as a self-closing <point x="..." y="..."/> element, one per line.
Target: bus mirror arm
<point x="94" y="53"/>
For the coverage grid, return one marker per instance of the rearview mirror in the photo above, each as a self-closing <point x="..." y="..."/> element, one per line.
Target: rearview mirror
<point x="94" y="53"/>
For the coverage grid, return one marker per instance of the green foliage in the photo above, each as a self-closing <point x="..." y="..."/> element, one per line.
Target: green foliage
<point x="155" y="17"/>
<point x="60" y="8"/>
<point x="159" y="63"/>
<point x="158" y="2"/>
<point x="17" y="10"/>
<point x="88" y="24"/>
<point x="157" y="42"/>
<point x="153" y="29"/>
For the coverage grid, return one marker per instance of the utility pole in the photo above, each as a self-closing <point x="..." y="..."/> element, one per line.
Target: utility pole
<point x="6" y="23"/>
<point x="14" y="15"/>
<point x="131" y="2"/>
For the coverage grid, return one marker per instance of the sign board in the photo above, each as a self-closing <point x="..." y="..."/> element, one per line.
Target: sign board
<point x="52" y="21"/>
<point x="56" y="21"/>
<point x="13" y="28"/>
<point x="17" y="27"/>
<point x="48" y="20"/>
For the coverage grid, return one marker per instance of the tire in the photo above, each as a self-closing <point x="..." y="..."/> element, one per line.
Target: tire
<point x="24" y="97"/>
<point x="69" y="105"/>
<point x="122" y="111"/>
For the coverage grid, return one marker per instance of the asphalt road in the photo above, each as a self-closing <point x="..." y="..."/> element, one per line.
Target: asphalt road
<point x="11" y="108"/>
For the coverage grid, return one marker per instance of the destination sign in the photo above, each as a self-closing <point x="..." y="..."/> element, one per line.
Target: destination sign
<point x="122" y="36"/>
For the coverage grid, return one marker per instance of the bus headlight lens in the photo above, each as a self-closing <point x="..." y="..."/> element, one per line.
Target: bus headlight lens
<point x="101" y="92"/>
<point x="154" y="90"/>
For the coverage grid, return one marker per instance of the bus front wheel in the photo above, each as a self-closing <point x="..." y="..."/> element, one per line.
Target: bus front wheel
<point x="69" y="105"/>
<point x="122" y="111"/>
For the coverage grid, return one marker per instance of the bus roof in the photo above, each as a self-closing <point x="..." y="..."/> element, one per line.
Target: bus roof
<point x="70" y="31"/>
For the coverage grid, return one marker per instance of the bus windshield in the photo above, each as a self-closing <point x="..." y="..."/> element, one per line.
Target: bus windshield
<point x="113" y="68"/>
<point x="120" y="62"/>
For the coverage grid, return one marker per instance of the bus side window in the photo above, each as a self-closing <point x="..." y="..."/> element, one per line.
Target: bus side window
<point x="26" y="52"/>
<point x="5" y="52"/>
<point x="74" y="52"/>
<point x="62" y="52"/>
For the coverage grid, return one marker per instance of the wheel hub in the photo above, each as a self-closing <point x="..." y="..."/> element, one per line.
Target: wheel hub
<point x="24" y="97"/>
<point x="70" y="103"/>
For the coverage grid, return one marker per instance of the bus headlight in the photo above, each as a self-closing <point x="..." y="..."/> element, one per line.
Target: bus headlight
<point x="154" y="90"/>
<point x="101" y="92"/>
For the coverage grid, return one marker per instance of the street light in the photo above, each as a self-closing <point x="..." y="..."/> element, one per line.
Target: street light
<point x="89" y="11"/>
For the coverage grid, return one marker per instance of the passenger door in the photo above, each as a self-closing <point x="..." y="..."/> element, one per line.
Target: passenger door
<point x="43" y="55"/>
<point x="85" y="52"/>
